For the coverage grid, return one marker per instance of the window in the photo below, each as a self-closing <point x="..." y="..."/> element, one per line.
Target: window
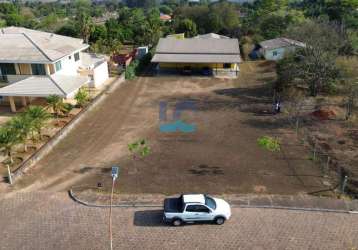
<point x="197" y="208"/>
<point x="274" y="53"/>
<point x="58" y="66"/>
<point x="210" y="202"/>
<point x="69" y="58"/>
<point x="227" y="65"/>
<point x="38" y="69"/>
<point x="7" y="69"/>
<point x="77" y="56"/>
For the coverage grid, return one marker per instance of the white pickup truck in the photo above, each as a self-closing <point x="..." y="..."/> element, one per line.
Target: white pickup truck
<point x="195" y="207"/>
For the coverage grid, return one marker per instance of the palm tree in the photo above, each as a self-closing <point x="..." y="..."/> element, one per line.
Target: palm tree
<point x="21" y="125"/>
<point x="8" y="139"/>
<point x="56" y="103"/>
<point x="85" y="25"/>
<point x="38" y="117"/>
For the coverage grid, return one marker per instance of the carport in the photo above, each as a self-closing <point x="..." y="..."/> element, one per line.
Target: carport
<point x="30" y="87"/>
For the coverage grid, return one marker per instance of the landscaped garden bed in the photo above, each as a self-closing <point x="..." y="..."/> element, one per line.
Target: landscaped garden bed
<point x="26" y="132"/>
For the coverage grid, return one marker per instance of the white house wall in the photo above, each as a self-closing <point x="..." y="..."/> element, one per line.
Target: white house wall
<point x="280" y="53"/>
<point x="100" y="74"/>
<point x="69" y="66"/>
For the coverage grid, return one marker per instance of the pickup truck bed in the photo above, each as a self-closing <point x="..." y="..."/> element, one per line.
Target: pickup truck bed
<point x="173" y="205"/>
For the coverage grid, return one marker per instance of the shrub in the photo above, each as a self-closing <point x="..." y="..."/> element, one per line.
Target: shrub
<point x="269" y="143"/>
<point x="82" y="97"/>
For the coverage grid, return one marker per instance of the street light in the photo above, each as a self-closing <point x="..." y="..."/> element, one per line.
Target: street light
<point x="115" y="173"/>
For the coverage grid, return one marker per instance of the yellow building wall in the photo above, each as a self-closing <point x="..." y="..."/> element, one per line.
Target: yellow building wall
<point x="196" y="65"/>
<point x="25" y="69"/>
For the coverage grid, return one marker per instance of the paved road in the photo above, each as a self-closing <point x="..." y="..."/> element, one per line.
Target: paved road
<point x="53" y="221"/>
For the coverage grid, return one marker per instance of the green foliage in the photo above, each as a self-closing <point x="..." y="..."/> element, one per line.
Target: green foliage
<point x="269" y="143"/>
<point x="69" y="29"/>
<point x="165" y="9"/>
<point x="139" y="148"/>
<point x="38" y="117"/>
<point x="131" y="70"/>
<point x="82" y="97"/>
<point x="315" y="64"/>
<point x="8" y="139"/>
<point x="56" y="103"/>
<point x="186" y="26"/>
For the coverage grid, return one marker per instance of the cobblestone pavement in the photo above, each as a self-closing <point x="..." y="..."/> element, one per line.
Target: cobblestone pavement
<point x="53" y="221"/>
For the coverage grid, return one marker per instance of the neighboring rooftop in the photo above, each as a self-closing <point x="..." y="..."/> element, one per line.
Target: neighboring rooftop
<point x="212" y="35"/>
<point x="43" y="86"/>
<point x="21" y="45"/>
<point x="280" y="43"/>
<point x="197" y="50"/>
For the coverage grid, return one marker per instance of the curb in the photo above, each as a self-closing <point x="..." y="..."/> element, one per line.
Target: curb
<point x="57" y="138"/>
<point x="138" y="205"/>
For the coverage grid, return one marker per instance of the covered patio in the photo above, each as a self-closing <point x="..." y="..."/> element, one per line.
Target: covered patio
<point x="31" y="87"/>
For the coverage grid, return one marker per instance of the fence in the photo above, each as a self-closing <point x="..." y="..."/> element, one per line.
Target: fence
<point x="331" y="168"/>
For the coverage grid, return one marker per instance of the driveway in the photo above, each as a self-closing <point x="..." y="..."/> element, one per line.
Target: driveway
<point x="220" y="156"/>
<point x="53" y="221"/>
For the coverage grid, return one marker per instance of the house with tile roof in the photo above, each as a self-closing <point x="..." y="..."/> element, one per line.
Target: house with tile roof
<point x="36" y="64"/>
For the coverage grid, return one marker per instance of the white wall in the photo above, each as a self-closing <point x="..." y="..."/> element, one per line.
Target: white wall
<point x="280" y="53"/>
<point x="69" y="66"/>
<point x="100" y="74"/>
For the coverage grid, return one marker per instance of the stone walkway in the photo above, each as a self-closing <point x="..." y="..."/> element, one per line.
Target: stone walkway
<point x="53" y="221"/>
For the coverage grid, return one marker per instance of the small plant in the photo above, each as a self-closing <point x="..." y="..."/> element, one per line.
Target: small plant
<point x="82" y="97"/>
<point x="139" y="148"/>
<point x="269" y="143"/>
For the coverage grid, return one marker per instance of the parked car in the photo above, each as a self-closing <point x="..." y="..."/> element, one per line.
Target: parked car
<point x="187" y="70"/>
<point x="195" y="207"/>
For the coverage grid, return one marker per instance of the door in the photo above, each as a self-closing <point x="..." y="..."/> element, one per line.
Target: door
<point x="197" y="213"/>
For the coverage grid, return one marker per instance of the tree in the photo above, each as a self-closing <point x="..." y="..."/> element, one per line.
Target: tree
<point x="186" y="26"/>
<point x="56" y="103"/>
<point x="21" y="125"/>
<point x="38" y="117"/>
<point x="82" y="97"/>
<point x="69" y="29"/>
<point x="313" y="65"/>
<point x="8" y="139"/>
<point x="85" y="25"/>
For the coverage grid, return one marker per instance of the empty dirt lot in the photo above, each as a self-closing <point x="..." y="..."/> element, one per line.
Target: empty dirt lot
<point x="221" y="156"/>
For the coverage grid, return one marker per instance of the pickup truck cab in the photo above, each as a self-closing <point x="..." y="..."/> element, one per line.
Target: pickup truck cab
<point x="195" y="207"/>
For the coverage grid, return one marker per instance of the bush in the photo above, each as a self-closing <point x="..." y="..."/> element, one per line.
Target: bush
<point x="82" y="97"/>
<point x="131" y="70"/>
<point x="269" y="143"/>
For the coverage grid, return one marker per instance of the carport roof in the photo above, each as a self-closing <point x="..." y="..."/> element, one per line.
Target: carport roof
<point x="197" y="50"/>
<point x="44" y="86"/>
<point x="195" y="58"/>
<point x="198" y="46"/>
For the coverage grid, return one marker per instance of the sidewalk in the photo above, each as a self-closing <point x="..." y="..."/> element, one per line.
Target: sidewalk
<point x="95" y="198"/>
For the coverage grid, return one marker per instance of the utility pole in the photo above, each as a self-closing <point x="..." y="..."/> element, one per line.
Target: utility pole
<point x="115" y="172"/>
<point x="9" y="174"/>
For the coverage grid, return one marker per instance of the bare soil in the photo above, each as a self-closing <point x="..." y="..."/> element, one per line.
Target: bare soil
<point x="221" y="156"/>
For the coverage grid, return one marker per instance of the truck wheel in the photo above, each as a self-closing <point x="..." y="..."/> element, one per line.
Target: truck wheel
<point x="177" y="222"/>
<point x="219" y="220"/>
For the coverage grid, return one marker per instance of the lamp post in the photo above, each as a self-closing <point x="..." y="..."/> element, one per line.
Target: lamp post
<point x="115" y="172"/>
